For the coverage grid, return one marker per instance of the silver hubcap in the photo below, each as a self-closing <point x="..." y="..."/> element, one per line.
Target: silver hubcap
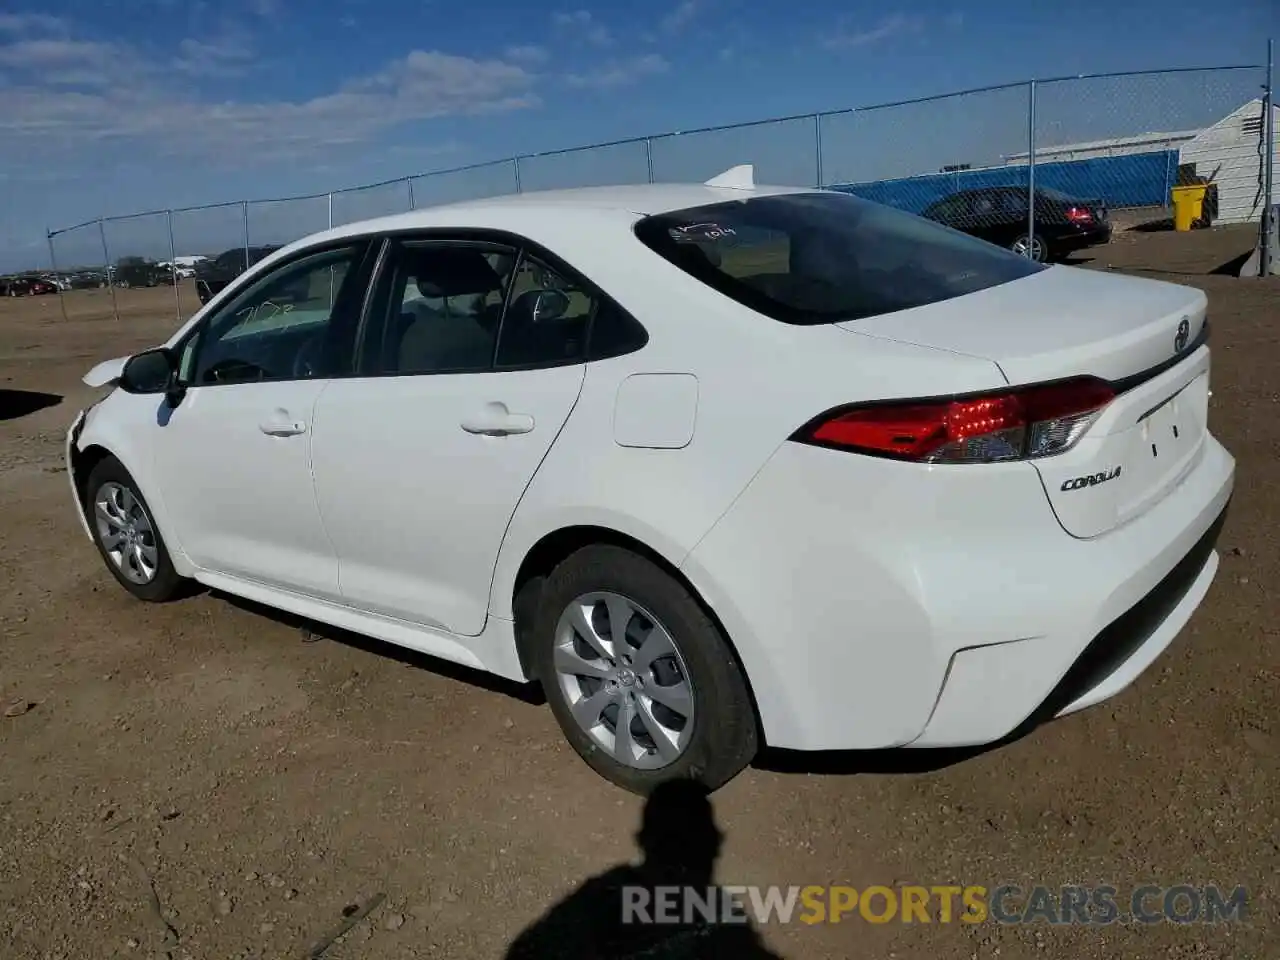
<point x="1035" y="249"/>
<point x="624" y="680"/>
<point x="125" y="532"/>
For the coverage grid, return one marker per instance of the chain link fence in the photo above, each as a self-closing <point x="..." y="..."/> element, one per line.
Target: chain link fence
<point x="1082" y="147"/>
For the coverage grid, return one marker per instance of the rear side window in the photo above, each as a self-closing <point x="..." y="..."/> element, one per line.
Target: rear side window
<point x="812" y="258"/>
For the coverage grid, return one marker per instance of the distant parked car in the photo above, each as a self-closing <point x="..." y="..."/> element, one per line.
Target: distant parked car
<point x="87" y="280"/>
<point x="137" y="272"/>
<point x="1064" y="224"/>
<point x="213" y="275"/>
<point x="26" y="287"/>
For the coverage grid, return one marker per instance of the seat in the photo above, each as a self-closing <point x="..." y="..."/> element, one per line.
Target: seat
<point x="425" y="338"/>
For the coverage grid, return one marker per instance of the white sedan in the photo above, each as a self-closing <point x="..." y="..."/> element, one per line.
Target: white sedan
<point x="719" y="465"/>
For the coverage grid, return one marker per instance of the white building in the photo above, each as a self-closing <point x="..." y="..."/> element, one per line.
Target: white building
<point x="1230" y="154"/>
<point x="1114" y="147"/>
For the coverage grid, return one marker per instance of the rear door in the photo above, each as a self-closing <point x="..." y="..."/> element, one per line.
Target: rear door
<point x="472" y="360"/>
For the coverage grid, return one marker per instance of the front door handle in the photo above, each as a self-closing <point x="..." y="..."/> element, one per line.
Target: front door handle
<point x="282" y="428"/>
<point x="495" y="420"/>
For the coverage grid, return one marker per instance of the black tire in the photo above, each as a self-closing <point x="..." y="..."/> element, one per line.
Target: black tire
<point x="724" y="737"/>
<point x="166" y="584"/>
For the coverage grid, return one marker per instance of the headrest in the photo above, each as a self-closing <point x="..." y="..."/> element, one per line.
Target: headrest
<point x="451" y="272"/>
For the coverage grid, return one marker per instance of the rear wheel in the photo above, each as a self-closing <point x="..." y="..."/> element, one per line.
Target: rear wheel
<point x="640" y="679"/>
<point x="1032" y="247"/>
<point x="126" y="534"/>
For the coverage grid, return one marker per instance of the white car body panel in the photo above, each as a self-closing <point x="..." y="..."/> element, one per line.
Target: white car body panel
<point x="244" y="497"/>
<point x="1061" y="322"/>
<point x="872" y="602"/>
<point x="423" y="482"/>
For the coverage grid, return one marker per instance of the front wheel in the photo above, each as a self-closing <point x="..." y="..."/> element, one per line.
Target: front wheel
<point x="126" y="534"/>
<point x="1033" y="248"/>
<point x="640" y="679"/>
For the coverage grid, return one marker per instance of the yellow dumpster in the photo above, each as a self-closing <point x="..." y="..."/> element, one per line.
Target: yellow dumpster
<point x="1188" y="205"/>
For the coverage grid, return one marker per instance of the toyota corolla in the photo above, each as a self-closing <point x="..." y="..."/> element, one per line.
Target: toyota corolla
<point x="719" y="465"/>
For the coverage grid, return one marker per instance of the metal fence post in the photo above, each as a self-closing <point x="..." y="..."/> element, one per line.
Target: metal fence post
<point x="413" y="205"/>
<point x="515" y="163"/>
<point x="106" y="259"/>
<point x="1265" y="252"/>
<point x="53" y="260"/>
<point x="648" y="156"/>
<point x="173" y="268"/>
<point x="331" y="211"/>
<point x="817" y="145"/>
<point x="1031" y="168"/>
<point x="244" y="214"/>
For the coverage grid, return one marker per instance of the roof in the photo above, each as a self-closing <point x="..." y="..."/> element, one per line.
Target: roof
<point x="625" y="202"/>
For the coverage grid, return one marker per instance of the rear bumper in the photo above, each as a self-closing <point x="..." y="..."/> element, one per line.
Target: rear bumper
<point x="881" y="604"/>
<point x="992" y="692"/>
<point x="1094" y="237"/>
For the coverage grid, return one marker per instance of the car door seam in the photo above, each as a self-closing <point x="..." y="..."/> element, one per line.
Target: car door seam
<point x="502" y="543"/>
<point x="315" y="486"/>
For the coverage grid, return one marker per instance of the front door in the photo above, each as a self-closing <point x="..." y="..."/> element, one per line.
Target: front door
<point x="420" y="465"/>
<point x="233" y="457"/>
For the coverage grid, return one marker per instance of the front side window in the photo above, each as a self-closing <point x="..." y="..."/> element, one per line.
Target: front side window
<point x="283" y="327"/>
<point x="810" y="258"/>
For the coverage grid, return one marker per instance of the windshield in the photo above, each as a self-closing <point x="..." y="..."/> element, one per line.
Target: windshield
<point x="809" y="258"/>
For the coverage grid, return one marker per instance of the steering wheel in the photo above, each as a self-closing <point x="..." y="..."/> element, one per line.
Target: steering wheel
<point x="306" y="363"/>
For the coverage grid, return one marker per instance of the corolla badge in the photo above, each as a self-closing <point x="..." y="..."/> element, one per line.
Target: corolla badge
<point x="1182" y="336"/>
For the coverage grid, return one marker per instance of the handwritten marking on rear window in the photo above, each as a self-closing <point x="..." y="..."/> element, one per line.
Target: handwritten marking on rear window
<point x="701" y="232"/>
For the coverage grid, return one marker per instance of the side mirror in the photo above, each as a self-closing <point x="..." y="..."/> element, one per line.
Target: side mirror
<point x="550" y="305"/>
<point x="153" y="371"/>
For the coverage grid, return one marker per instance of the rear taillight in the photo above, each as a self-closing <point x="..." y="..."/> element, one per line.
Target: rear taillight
<point x="1080" y="215"/>
<point x="1017" y="424"/>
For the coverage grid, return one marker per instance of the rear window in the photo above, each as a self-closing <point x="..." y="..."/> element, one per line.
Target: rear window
<point x="810" y="258"/>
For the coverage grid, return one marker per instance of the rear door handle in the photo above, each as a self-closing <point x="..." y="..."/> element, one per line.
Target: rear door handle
<point x="495" y="420"/>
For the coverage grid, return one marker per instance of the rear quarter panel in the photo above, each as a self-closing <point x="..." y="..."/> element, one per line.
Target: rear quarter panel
<point x="758" y="381"/>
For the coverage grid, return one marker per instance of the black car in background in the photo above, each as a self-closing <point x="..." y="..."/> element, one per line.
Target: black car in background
<point x="26" y="287"/>
<point x="1064" y="224"/>
<point x="213" y="275"/>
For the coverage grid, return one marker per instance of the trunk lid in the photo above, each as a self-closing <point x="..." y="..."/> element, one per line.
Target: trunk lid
<point x="1060" y="322"/>
<point x="1143" y="336"/>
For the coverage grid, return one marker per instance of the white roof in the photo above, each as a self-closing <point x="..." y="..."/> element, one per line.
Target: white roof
<point x="516" y="211"/>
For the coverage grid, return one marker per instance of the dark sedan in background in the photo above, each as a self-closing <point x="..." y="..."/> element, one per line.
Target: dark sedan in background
<point x="26" y="287"/>
<point x="1064" y="224"/>
<point x="213" y="275"/>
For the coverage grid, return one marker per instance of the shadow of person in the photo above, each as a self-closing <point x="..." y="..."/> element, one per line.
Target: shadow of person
<point x="664" y="908"/>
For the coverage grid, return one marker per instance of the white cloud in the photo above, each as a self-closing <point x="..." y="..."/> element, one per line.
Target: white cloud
<point x="581" y="26"/>
<point x="265" y="8"/>
<point x="61" y="63"/>
<point x="887" y="28"/>
<point x="24" y="23"/>
<point x="527" y="53"/>
<point x="619" y="73"/>
<point x="220" y="57"/>
<point x="681" y="16"/>
<point x="43" y="116"/>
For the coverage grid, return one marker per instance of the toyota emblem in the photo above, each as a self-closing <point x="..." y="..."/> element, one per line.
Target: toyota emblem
<point x="1182" y="336"/>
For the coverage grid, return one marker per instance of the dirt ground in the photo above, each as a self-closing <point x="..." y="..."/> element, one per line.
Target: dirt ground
<point x="197" y="780"/>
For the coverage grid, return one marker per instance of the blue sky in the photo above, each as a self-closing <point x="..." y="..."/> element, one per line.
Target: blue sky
<point x="114" y="106"/>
